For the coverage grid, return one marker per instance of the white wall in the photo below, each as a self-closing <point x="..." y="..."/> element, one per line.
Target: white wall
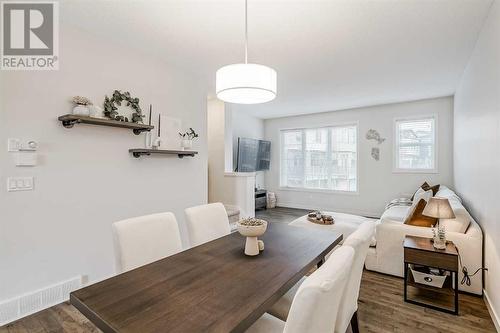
<point x="477" y="145"/>
<point x="377" y="183"/>
<point x="86" y="179"/>
<point x="246" y="126"/>
<point x="231" y="188"/>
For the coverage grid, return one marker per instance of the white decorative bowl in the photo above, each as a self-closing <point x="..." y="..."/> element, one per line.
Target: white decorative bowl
<point x="251" y="232"/>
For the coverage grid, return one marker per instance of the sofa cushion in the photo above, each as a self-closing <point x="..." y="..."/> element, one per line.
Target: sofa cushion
<point x="395" y="214"/>
<point x="422" y="194"/>
<point x="416" y="218"/>
<point x="462" y="217"/>
<point x="445" y="192"/>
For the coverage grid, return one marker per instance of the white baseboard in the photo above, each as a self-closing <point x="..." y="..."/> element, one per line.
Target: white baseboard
<point x="330" y="209"/>
<point x="24" y="305"/>
<point x="493" y="313"/>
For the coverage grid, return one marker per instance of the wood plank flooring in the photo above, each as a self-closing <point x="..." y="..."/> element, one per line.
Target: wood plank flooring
<point x="381" y="307"/>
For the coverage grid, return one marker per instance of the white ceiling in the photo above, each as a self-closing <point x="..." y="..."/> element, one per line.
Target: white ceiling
<point x="329" y="55"/>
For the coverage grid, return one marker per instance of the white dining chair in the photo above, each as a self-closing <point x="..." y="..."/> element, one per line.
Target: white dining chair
<point x="315" y="305"/>
<point x="360" y="242"/>
<point x="206" y="222"/>
<point x="144" y="239"/>
<point x="348" y="312"/>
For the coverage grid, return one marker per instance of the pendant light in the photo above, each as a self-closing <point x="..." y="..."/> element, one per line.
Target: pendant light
<point x="245" y="83"/>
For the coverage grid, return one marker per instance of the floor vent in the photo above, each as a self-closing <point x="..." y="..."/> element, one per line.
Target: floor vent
<point x="27" y="304"/>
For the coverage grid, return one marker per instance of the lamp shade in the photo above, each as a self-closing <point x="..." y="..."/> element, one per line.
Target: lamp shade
<point x="439" y="208"/>
<point x="246" y="83"/>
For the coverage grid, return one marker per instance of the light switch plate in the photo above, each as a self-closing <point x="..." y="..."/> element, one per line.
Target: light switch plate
<point x="13" y="144"/>
<point x="20" y="184"/>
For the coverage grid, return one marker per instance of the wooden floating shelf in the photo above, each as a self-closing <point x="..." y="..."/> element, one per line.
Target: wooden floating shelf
<point x="138" y="152"/>
<point x="69" y="120"/>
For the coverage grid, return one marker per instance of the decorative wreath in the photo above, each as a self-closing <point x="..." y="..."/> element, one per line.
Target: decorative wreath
<point x="110" y="106"/>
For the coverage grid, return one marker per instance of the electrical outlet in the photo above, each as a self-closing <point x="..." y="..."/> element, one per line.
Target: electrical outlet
<point x="19" y="184"/>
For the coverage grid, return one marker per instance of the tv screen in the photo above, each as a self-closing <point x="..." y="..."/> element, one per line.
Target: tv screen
<point x="253" y="155"/>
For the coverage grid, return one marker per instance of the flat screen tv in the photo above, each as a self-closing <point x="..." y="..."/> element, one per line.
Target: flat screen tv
<point x="253" y="155"/>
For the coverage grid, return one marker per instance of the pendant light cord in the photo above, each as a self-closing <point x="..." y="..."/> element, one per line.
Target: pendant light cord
<point x="246" y="32"/>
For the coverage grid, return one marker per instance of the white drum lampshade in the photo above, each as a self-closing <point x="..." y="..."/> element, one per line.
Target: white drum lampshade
<point x="246" y="83"/>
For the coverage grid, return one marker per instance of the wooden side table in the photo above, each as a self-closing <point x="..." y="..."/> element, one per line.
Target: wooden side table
<point x="420" y="251"/>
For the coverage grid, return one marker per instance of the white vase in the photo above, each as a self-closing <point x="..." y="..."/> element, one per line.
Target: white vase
<point x="81" y="110"/>
<point x="96" y="111"/>
<point x="187" y="143"/>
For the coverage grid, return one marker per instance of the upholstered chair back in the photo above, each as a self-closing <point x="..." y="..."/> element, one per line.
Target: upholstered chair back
<point x="315" y="305"/>
<point x="206" y="222"/>
<point x="360" y="242"/>
<point x="144" y="239"/>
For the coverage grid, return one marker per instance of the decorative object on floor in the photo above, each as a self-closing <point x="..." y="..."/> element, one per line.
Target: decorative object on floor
<point x="271" y="200"/>
<point x="148" y="139"/>
<point x="187" y="138"/>
<point x="374" y="135"/>
<point x="320" y="218"/>
<point x="81" y="106"/>
<point x="439" y="208"/>
<point x="246" y="83"/>
<point x="157" y="142"/>
<point x="376" y="153"/>
<point x="111" y="107"/>
<point x="252" y="228"/>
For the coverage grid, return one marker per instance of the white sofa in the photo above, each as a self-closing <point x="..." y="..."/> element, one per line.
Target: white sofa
<point x="386" y="255"/>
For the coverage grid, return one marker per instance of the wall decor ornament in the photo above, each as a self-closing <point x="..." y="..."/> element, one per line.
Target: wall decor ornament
<point x="111" y="107"/>
<point x="376" y="153"/>
<point x="374" y="135"/>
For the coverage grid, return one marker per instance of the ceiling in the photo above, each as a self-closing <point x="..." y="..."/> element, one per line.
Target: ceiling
<point x="329" y="55"/>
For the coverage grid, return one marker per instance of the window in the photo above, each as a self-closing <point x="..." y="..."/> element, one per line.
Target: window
<point x="320" y="158"/>
<point x="415" y="145"/>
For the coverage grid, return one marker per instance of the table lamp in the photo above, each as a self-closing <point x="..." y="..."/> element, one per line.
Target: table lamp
<point x="439" y="208"/>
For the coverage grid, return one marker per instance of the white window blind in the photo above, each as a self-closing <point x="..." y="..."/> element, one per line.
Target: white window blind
<point x="320" y="158"/>
<point x="415" y="145"/>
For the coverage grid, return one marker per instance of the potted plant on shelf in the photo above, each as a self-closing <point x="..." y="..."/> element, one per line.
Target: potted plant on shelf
<point x="187" y="138"/>
<point x="82" y="105"/>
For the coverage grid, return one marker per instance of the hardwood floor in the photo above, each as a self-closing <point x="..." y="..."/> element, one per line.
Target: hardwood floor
<point x="280" y="214"/>
<point x="381" y="306"/>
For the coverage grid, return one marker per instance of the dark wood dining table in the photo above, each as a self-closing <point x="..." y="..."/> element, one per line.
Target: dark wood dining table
<point x="213" y="287"/>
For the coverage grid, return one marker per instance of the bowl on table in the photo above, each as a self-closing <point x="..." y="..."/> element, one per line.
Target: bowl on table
<point x="252" y="228"/>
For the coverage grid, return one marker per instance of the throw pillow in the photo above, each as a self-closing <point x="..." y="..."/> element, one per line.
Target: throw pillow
<point x="426" y="187"/>
<point x="422" y="194"/>
<point x="434" y="189"/>
<point x="416" y="218"/>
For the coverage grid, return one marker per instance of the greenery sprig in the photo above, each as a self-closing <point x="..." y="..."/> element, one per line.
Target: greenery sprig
<point x="189" y="135"/>
<point x="110" y="106"/>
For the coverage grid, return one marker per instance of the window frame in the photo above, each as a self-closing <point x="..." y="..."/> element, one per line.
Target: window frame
<point x="395" y="150"/>
<point x="317" y="190"/>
